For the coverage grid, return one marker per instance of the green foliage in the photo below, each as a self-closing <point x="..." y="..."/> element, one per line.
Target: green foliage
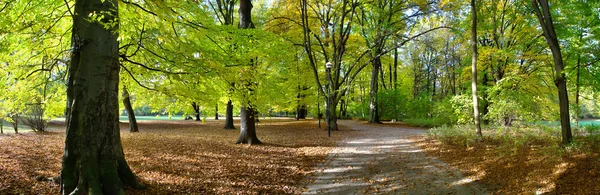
<point x="427" y="122"/>
<point x="512" y="98"/>
<point x="392" y="103"/>
<point x="462" y="106"/>
<point x="454" y="135"/>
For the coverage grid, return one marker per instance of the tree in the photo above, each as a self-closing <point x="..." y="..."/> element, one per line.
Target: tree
<point x="542" y="11"/>
<point x="94" y="162"/>
<point x="474" y="69"/>
<point x="224" y="12"/>
<point x="247" y="110"/>
<point x="133" y="127"/>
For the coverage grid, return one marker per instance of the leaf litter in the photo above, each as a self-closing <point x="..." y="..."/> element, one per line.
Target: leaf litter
<point x="182" y="157"/>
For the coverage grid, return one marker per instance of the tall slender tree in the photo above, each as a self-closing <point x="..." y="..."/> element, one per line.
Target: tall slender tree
<point x="133" y="127"/>
<point x="474" y="69"/>
<point x="542" y="11"/>
<point x="93" y="159"/>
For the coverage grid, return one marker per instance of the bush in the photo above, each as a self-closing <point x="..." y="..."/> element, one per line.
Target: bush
<point x="454" y="135"/>
<point x="427" y="122"/>
<point x="34" y="118"/>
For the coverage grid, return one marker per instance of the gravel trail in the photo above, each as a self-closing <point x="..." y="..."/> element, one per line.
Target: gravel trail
<point x="386" y="161"/>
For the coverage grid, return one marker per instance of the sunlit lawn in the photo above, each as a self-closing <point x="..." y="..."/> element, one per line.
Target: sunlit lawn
<point x="182" y="157"/>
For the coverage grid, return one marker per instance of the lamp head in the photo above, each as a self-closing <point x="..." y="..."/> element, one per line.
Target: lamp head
<point x="328" y="65"/>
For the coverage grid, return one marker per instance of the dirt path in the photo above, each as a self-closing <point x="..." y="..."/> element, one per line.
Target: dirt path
<point x="386" y="161"/>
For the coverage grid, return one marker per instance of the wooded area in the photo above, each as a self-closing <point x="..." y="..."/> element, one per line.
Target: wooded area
<point x="514" y="75"/>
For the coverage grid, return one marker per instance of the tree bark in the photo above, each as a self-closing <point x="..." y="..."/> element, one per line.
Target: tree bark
<point x="15" y="123"/>
<point x="93" y="161"/>
<point x="577" y="88"/>
<point x="474" y="70"/>
<point x="247" y="127"/>
<point x="217" y="111"/>
<point x="229" y="116"/>
<point x="133" y="127"/>
<point x="373" y="104"/>
<point x="395" y="83"/>
<point x="196" y="110"/>
<point x="545" y="19"/>
<point x="247" y="112"/>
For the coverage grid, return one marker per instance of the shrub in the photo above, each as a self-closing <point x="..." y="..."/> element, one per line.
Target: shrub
<point x="454" y="135"/>
<point x="34" y="118"/>
<point x="427" y="122"/>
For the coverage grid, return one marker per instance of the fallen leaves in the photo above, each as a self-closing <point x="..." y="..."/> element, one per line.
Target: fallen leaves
<point x="528" y="169"/>
<point x="182" y="157"/>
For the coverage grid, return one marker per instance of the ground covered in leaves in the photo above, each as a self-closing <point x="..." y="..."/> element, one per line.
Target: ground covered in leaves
<point x="183" y="157"/>
<point x="530" y="168"/>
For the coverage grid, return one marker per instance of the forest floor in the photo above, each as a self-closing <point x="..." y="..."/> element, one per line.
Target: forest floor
<point x="183" y="157"/>
<point x="386" y="160"/>
<point x="532" y="168"/>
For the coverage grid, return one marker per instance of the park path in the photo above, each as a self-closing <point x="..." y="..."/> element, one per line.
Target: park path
<point x="386" y="161"/>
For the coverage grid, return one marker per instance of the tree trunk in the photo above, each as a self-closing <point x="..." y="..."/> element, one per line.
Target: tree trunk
<point x="395" y="83"/>
<point x="577" y="88"/>
<point x="333" y="116"/>
<point x="474" y="70"/>
<point x="93" y="161"/>
<point x="247" y="127"/>
<point x="15" y="123"/>
<point x="229" y="116"/>
<point x="545" y="19"/>
<point x="373" y="107"/>
<point x="247" y="112"/>
<point x="196" y="110"/>
<point x="217" y="111"/>
<point x="133" y="127"/>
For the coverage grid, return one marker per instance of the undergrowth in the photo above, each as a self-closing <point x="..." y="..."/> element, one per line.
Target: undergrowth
<point x="427" y="122"/>
<point x="586" y="138"/>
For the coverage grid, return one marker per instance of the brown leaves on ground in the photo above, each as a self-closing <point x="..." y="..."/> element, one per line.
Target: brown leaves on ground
<point x="182" y="157"/>
<point x="528" y="169"/>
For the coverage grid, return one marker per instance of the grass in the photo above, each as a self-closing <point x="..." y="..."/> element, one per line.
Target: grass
<point x="521" y="160"/>
<point x="182" y="157"/>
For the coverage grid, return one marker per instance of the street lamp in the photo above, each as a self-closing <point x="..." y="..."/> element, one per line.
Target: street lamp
<point x="328" y="66"/>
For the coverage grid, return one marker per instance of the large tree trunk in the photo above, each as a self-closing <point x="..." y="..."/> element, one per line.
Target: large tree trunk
<point x="333" y="119"/>
<point x="247" y="112"/>
<point x="133" y="127"/>
<point x="196" y="110"/>
<point x="229" y="116"/>
<point x="545" y="19"/>
<point x="373" y="104"/>
<point x="93" y="160"/>
<point x="474" y="70"/>
<point x="247" y="127"/>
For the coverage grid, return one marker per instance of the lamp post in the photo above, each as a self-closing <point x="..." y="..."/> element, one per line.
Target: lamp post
<point x="328" y="66"/>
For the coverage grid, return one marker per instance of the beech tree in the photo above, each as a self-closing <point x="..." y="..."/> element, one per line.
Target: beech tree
<point x="247" y="110"/>
<point x="542" y="11"/>
<point x="94" y="162"/>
